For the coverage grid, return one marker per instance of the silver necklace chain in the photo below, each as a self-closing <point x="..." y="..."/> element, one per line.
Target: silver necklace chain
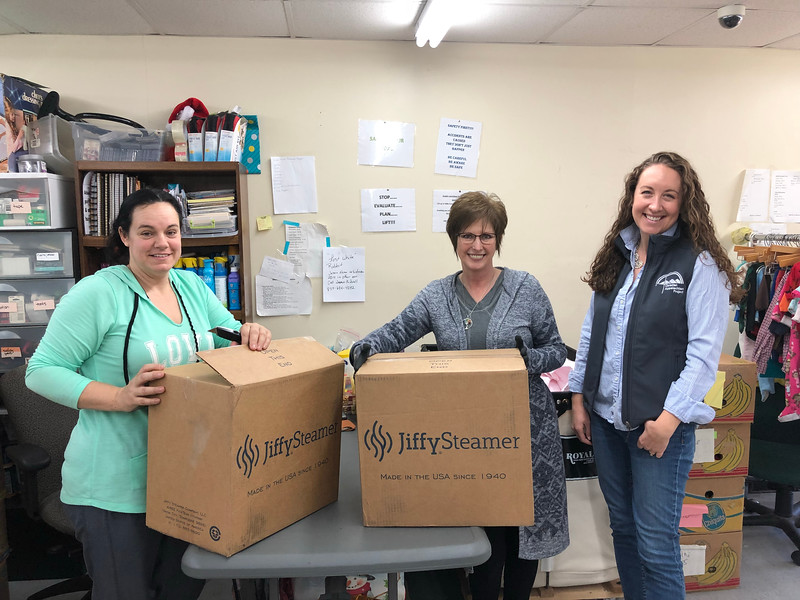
<point x="638" y="263"/>
<point x="468" y="319"/>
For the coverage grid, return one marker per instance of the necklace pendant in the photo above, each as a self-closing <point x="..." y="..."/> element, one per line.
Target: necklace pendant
<point x="467" y="323"/>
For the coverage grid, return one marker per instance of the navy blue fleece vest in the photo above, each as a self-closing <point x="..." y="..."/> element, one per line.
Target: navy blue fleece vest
<point x="658" y="331"/>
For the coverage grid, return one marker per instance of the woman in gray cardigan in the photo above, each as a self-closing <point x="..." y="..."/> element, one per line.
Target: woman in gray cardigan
<point x="481" y="307"/>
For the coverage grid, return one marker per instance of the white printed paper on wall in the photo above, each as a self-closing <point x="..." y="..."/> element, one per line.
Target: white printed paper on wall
<point x="343" y="275"/>
<point x="386" y="143"/>
<point x="458" y="147"/>
<point x="388" y="209"/>
<point x="280" y="290"/>
<point x="294" y="184"/>
<point x="754" y="201"/>
<point x="785" y="197"/>
<point x="304" y="244"/>
<point x="442" y="201"/>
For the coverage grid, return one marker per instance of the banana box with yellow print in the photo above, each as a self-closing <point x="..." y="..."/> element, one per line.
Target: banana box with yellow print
<point x="724" y="499"/>
<point x="738" y="391"/>
<point x="722" y="450"/>
<point x="711" y="562"/>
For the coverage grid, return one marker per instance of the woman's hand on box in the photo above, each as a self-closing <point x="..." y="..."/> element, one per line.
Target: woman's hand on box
<point x="255" y="336"/>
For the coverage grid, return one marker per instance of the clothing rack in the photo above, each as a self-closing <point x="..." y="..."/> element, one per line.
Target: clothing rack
<point x="773" y="238"/>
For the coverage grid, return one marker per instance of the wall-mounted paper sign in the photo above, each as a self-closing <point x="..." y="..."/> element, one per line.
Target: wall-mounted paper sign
<point x="442" y="201"/>
<point x="294" y="184"/>
<point x="386" y="143"/>
<point x="785" y="197"/>
<point x="388" y="209"/>
<point x="343" y="275"/>
<point x="458" y="147"/>
<point x="754" y="199"/>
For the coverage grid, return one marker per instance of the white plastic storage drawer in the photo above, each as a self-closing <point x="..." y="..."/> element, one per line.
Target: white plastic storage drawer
<point x="30" y="302"/>
<point x="36" y="254"/>
<point x="17" y="345"/>
<point x="40" y="200"/>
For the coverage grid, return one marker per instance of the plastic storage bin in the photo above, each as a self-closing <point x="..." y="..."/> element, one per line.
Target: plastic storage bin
<point x="116" y="142"/>
<point x="30" y="301"/>
<point x="17" y="345"/>
<point x="37" y="254"/>
<point x="42" y="200"/>
<point x="51" y="137"/>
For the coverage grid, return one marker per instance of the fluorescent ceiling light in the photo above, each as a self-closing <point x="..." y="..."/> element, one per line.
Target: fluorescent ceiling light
<point x="436" y="19"/>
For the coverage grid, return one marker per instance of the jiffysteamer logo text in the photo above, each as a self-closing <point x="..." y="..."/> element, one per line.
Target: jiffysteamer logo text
<point x="380" y="442"/>
<point x="253" y="453"/>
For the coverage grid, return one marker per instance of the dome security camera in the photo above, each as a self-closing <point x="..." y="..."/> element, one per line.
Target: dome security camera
<point x="730" y="16"/>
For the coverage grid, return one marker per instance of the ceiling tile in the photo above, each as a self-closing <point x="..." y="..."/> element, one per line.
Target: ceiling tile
<point x="512" y="24"/>
<point x="354" y="19"/>
<point x="759" y="28"/>
<point x="82" y="17"/>
<point x="214" y="18"/>
<point x="612" y="26"/>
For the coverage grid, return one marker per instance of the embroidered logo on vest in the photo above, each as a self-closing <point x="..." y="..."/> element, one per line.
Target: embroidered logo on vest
<point x="671" y="282"/>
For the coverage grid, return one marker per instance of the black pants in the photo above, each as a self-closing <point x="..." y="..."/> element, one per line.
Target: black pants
<point x="516" y="573"/>
<point x="128" y="561"/>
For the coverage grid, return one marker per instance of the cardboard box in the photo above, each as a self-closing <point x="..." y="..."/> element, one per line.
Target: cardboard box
<point x="245" y="443"/>
<point x="739" y="391"/>
<point x="711" y="561"/>
<point x="21" y="102"/>
<point x="444" y="439"/>
<point x="731" y="450"/>
<point x="724" y="497"/>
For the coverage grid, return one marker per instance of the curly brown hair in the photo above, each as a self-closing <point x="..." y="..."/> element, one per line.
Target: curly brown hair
<point x="694" y="217"/>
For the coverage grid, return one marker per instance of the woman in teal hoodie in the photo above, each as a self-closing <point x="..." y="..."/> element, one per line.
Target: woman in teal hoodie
<point x="105" y="348"/>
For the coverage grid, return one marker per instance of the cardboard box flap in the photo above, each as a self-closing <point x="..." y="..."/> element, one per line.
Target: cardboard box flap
<point x="286" y="357"/>
<point x="506" y="359"/>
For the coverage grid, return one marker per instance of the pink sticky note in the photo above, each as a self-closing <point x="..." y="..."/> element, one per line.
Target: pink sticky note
<point x="692" y="515"/>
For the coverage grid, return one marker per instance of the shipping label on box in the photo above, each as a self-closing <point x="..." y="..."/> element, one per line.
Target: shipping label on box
<point x="711" y="561"/>
<point x="442" y="437"/>
<point x="727" y="450"/>
<point x="245" y="443"/>
<point x="724" y="497"/>
<point x="739" y="390"/>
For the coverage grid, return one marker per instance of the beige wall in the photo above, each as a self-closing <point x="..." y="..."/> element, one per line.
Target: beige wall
<point x="561" y="127"/>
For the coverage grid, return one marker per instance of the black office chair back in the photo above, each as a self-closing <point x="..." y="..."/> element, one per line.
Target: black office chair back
<point x="37" y="420"/>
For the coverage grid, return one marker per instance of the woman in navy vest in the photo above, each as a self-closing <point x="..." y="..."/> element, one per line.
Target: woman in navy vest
<point x="648" y="354"/>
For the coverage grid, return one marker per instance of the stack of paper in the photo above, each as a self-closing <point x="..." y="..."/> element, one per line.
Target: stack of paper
<point x="210" y="213"/>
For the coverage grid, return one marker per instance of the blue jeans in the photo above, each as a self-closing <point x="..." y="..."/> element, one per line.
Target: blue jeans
<point x="644" y="495"/>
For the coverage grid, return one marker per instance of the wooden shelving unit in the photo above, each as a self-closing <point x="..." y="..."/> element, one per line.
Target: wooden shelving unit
<point x="192" y="176"/>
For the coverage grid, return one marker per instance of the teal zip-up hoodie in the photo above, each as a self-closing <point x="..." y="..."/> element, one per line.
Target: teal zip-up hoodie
<point x="105" y="463"/>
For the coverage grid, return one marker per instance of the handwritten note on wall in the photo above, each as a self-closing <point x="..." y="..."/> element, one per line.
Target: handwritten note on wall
<point x="343" y="275"/>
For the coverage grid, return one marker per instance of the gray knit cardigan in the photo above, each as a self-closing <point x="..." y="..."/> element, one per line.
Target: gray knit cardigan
<point x="523" y="309"/>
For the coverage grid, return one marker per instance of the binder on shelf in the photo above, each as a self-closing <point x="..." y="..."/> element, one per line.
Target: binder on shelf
<point x="195" y="129"/>
<point x="211" y="136"/>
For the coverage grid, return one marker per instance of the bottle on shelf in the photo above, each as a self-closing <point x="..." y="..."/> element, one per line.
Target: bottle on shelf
<point x="190" y="264"/>
<point x="208" y="273"/>
<point x="221" y="279"/>
<point x="233" y="289"/>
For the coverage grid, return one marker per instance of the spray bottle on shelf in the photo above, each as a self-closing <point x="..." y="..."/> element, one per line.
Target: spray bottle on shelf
<point x="208" y="273"/>
<point x="234" y="303"/>
<point x="221" y="279"/>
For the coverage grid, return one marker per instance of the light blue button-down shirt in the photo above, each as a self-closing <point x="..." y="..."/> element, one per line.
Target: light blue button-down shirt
<point x="707" y="301"/>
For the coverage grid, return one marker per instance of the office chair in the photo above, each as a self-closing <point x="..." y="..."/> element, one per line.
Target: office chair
<point x="43" y="429"/>
<point x="775" y="465"/>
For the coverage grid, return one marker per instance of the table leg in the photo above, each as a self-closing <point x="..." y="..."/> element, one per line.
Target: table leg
<point x="393" y="586"/>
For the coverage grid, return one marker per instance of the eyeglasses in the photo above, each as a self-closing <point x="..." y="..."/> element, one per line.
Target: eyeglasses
<point x="485" y="238"/>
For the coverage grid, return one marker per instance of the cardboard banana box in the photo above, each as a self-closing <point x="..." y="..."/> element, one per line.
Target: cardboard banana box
<point x="730" y="455"/>
<point x="739" y="390"/>
<point x="724" y="497"/>
<point x="711" y="561"/>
